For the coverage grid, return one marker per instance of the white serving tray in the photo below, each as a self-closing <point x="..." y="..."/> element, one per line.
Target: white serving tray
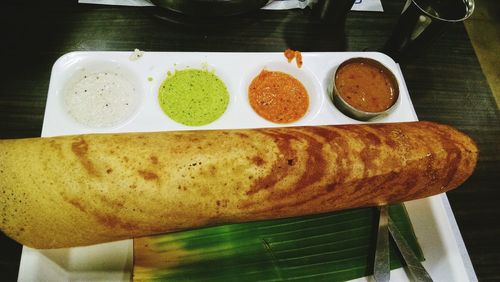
<point x="432" y="218"/>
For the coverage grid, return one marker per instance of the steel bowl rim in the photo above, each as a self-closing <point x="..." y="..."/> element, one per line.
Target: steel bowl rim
<point x="351" y="110"/>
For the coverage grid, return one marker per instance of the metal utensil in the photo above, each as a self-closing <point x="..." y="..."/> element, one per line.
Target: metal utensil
<point x="211" y="8"/>
<point x="414" y="266"/>
<point x="421" y="22"/>
<point x="381" y="269"/>
<point x="347" y="108"/>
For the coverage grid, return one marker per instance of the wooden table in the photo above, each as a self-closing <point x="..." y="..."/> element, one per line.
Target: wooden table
<point x="446" y="83"/>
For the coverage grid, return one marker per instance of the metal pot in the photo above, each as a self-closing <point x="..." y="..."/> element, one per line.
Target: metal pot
<point x="211" y="8"/>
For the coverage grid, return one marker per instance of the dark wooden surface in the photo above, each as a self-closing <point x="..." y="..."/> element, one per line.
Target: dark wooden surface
<point x="446" y="83"/>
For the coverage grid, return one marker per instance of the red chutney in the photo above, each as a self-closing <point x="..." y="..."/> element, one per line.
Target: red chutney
<point x="365" y="87"/>
<point x="291" y="54"/>
<point x="278" y="97"/>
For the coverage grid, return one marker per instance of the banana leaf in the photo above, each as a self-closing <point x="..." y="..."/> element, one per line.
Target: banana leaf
<point x="336" y="246"/>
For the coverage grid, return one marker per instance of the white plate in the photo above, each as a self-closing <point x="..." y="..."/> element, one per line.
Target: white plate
<point x="432" y="218"/>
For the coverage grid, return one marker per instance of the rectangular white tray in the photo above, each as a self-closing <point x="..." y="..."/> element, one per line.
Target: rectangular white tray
<point x="432" y="218"/>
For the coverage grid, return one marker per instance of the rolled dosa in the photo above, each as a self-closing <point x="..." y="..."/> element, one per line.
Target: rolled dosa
<point x="87" y="189"/>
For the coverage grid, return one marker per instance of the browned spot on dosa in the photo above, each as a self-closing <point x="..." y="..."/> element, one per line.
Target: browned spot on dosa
<point x="154" y="160"/>
<point x="316" y="164"/>
<point x="453" y="154"/>
<point x="315" y="167"/>
<point x="148" y="175"/>
<point x="108" y="220"/>
<point x="258" y="160"/>
<point x="80" y="149"/>
<point x="113" y="221"/>
<point x="76" y="204"/>
<point x="368" y="155"/>
<point x="340" y="146"/>
<point x="280" y="166"/>
<point x="115" y="204"/>
<point x="57" y="148"/>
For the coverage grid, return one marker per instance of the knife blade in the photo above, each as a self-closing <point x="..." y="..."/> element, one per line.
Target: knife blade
<point x="381" y="268"/>
<point x="414" y="266"/>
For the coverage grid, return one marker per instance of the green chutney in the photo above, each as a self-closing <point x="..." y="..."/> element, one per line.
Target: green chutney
<point x="193" y="97"/>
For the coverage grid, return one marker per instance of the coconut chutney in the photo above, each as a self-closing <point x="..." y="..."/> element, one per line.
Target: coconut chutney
<point x="100" y="99"/>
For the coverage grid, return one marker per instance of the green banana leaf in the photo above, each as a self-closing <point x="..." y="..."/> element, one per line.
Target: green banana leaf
<point x="336" y="246"/>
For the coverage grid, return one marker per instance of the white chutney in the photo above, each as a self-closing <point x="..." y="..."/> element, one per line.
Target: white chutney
<point x="100" y="99"/>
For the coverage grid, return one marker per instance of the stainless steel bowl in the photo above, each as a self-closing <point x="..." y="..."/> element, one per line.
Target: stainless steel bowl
<point x="211" y="8"/>
<point x="351" y="111"/>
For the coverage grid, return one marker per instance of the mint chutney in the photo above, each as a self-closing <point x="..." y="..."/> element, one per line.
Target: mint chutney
<point x="193" y="97"/>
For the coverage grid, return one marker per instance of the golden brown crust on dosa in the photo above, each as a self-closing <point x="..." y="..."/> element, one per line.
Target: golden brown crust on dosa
<point x="88" y="189"/>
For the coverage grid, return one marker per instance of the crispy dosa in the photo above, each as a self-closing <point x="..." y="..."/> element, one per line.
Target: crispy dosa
<point x="88" y="189"/>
